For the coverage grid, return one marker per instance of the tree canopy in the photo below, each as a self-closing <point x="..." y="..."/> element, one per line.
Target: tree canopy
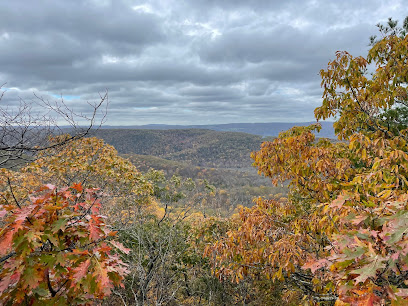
<point x="342" y="233"/>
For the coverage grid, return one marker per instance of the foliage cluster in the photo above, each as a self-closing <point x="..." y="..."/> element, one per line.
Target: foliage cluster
<point x="57" y="239"/>
<point x="342" y="233"/>
<point x="61" y="251"/>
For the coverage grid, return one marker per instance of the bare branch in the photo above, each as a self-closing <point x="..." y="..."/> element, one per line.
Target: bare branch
<point x="24" y="133"/>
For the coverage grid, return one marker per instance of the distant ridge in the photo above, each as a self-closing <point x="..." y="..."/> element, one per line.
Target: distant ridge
<point x="199" y="147"/>
<point x="261" y="129"/>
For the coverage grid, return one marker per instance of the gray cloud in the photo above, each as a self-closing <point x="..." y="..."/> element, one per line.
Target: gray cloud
<point x="182" y="62"/>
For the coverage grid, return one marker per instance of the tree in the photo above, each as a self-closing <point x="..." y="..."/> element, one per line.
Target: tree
<point x="55" y="245"/>
<point x="357" y="96"/>
<point x="341" y="235"/>
<point x="24" y="132"/>
<point x="61" y="252"/>
<point x="162" y="259"/>
<point x="94" y="164"/>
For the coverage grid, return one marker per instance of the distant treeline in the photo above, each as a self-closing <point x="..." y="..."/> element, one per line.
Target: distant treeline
<point x="262" y="129"/>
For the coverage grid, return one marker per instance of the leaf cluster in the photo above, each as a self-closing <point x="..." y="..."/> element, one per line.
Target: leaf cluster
<point x="342" y="233"/>
<point x="61" y="249"/>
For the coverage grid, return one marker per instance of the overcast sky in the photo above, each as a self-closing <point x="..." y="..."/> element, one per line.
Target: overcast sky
<point x="183" y="62"/>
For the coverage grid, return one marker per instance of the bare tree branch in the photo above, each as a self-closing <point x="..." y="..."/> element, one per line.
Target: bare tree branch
<point x="24" y="133"/>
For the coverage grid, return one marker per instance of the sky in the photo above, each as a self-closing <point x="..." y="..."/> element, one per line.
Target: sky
<point x="182" y="61"/>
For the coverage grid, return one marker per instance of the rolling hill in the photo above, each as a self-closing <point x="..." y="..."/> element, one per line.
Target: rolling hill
<point x="204" y="148"/>
<point x="261" y="129"/>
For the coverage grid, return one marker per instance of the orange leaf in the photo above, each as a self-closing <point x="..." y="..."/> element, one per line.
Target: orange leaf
<point x="338" y="203"/>
<point x="369" y="300"/>
<point x="77" y="187"/>
<point x="120" y="246"/>
<point x="81" y="271"/>
<point x="103" y="279"/>
<point x="93" y="230"/>
<point x="5" y="242"/>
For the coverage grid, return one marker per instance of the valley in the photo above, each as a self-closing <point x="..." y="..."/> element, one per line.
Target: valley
<point x="218" y="159"/>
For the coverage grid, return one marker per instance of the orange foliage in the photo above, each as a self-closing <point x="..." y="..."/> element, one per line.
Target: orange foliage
<point x="342" y="234"/>
<point x="59" y="249"/>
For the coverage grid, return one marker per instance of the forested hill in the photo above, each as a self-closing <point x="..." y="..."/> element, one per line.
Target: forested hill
<point x="262" y="129"/>
<point x="199" y="147"/>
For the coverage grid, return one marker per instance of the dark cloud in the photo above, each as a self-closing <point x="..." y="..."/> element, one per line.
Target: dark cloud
<point x="182" y="62"/>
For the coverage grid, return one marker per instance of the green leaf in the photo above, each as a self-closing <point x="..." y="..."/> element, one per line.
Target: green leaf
<point x="59" y="225"/>
<point x="30" y="278"/>
<point x="41" y="291"/>
<point x="49" y="260"/>
<point x="357" y="252"/>
<point x="369" y="270"/>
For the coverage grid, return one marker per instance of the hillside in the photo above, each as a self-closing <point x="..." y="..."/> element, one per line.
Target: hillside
<point x="220" y="177"/>
<point x="222" y="159"/>
<point x="204" y="148"/>
<point x="261" y="129"/>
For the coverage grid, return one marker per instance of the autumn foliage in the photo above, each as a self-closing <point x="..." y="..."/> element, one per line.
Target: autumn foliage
<point x="342" y="233"/>
<point x="94" y="164"/>
<point x="59" y="249"/>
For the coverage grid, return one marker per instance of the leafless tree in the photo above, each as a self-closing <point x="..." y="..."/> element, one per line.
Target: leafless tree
<point x="25" y="132"/>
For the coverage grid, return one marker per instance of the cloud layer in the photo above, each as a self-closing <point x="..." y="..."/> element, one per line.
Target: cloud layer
<point x="182" y="62"/>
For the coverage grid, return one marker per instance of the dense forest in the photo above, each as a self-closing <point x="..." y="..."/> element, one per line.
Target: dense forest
<point x="142" y="217"/>
<point x="217" y="159"/>
<point x="203" y="148"/>
<point x="262" y="129"/>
